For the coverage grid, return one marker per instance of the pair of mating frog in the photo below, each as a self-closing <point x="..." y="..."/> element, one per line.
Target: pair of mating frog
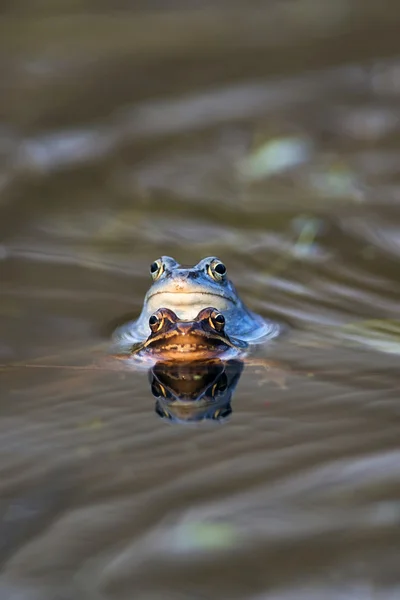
<point x="192" y="314"/>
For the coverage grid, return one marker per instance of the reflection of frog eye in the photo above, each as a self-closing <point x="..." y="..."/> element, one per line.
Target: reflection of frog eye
<point x="155" y="390"/>
<point x="155" y="323"/>
<point x="220" y="386"/>
<point x="217" y="270"/>
<point x="158" y="390"/>
<point x="164" y="414"/>
<point x="217" y="321"/>
<point x="222" y="413"/>
<point x="156" y="268"/>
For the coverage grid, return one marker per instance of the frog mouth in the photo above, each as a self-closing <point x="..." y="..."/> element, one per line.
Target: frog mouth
<point x="190" y="298"/>
<point x="187" y="344"/>
<point x="188" y="293"/>
<point x="188" y="348"/>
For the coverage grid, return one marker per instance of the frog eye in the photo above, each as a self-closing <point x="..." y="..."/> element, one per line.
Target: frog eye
<point x="217" y="321"/>
<point x="156" y="268"/>
<point x="217" y="270"/>
<point x="156" y="322"/>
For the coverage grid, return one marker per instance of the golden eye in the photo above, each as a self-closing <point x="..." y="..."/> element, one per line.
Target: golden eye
<point x="156" y="269"/>
<point x="217" y="270"/>
<point x="217" y="321"/>
<point x="164" y="393"/>
<point x="155" y="323"/>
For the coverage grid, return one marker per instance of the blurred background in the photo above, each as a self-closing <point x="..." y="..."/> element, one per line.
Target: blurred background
<point x="267" y="133"/>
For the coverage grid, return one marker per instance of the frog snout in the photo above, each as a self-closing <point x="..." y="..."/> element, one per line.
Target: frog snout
<point x="184" y="328"/>
<point x="184" y="280"/>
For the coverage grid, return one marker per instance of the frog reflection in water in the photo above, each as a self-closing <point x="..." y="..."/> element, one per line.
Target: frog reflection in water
<point x="174" y="340"/>
<point x="186" y="291"/>
<point x="195" y="391"/>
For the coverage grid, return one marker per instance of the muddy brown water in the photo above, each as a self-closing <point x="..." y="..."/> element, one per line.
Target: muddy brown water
<point x="131" y="132"/>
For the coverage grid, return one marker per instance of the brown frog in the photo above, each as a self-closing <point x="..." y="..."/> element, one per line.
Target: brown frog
<point x="173" y="339"/>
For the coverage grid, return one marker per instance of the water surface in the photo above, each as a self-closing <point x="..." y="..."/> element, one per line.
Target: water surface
<point x="226" y="130"/>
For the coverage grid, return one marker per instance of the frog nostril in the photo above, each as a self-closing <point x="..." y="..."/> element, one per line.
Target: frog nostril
<point x="184" y="328"/>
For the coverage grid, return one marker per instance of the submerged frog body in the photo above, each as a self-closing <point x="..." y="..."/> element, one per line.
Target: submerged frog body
<point x="187" y="290"/>
<point x="173" y="339"/>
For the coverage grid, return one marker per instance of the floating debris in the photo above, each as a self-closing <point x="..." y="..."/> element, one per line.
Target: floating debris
<point x="275" y="156"/>
<point x="308" y="228"/>
<point x="206" y="536"/>
<point x="337" y="181"/>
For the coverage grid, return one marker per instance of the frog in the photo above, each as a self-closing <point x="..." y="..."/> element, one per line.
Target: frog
<point x="175" y="340"/>
<point x="188" y="290"/>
